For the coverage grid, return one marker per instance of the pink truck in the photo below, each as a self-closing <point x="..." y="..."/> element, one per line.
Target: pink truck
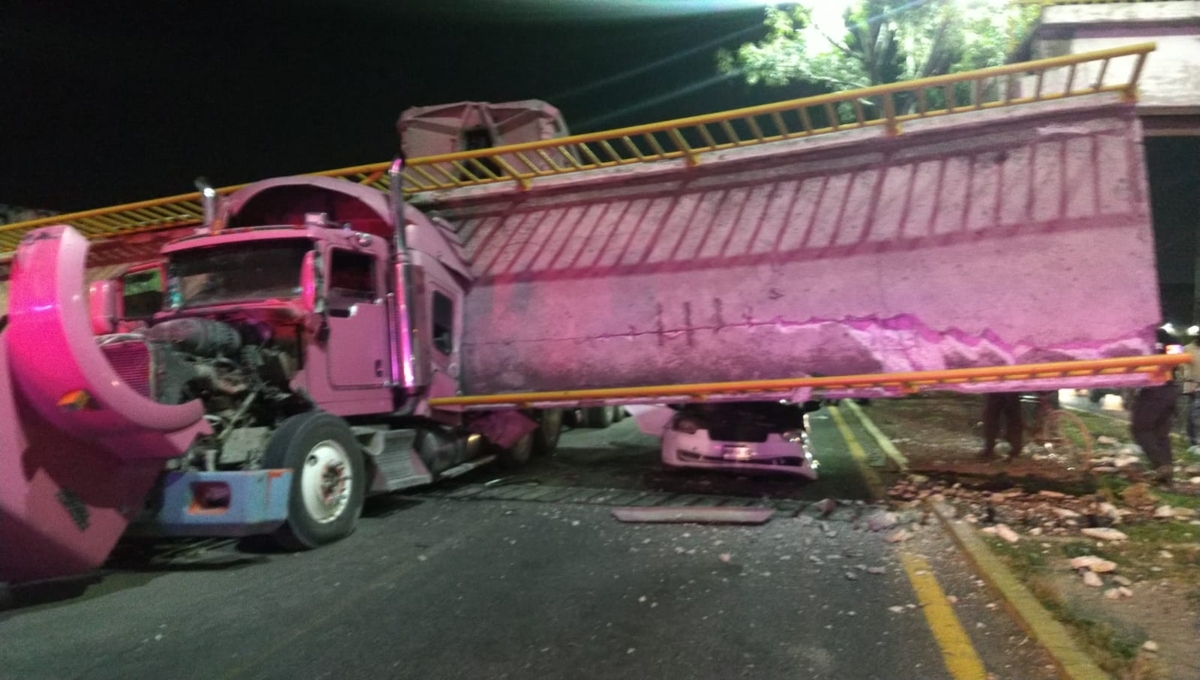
<point x="287" y="375"/>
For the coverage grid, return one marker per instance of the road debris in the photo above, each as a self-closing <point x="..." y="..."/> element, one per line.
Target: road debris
<point x="1104" y="534"/>
<point x="1093" y="563"/>
<point x="825" y="507"/>
<point x="696" y="515"/>
<point x="1091" y="578"/>
<point x="1150" y="646"/>
<point x="881" y="520"/>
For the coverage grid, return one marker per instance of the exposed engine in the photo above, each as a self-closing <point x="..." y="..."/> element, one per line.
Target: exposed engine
<point x="241" y="374"/>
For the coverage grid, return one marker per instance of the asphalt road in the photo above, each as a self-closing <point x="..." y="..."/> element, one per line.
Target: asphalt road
<point x="443" y="586"/>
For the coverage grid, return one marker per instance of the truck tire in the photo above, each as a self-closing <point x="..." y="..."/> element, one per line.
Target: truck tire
<point x="328" y="479"/>
<point x="518" y="455"/>
<point x="545" y="438"/>
<point x="598" y="417"/>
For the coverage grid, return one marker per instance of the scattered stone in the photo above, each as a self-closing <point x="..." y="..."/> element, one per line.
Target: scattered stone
<point x="897" y="609"/>
<point x="1166" y="554"/>
<point x="826" y="506"/>
<point x="1150" y="646"/>
<point x="1107" y="440"/>
<point x="1084" y="562"/>
<point x="725" y="557"/>
<point x="881" y="520"/>
<point x="1036" y="531"/>
<point x="1109" y="510"/>
<point x="1091" y="578"/>
<point x="971" y="519"/>
<point x="952" y="599"/>
<point x="1122" y="581"/>
<point x="1112" y="594"/>
<point x="1184" y="513"/>
<point x="1124" y="461"/>
<point x="1104" y="534"/>
<point x="851" y="576"/>
<point x="1007" y="534"/>
<point x="1125" y="592"/>
<point x="898" y="536"/>
<point x="1164" y="512"/>
<point x="1139" y="495"/>
<point x="1103" y="567"/>
<point x="1065" y="513"/>
<point x="876" y="570"/>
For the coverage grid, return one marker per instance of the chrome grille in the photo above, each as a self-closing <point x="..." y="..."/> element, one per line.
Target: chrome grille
<point x="130" y="358"/>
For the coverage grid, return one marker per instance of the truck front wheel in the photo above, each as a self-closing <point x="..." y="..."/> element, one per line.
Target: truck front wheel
<point x="328" y="479"/>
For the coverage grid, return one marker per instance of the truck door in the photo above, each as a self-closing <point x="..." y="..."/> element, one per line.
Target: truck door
<point x="445" y="317"/>
<point x="357" y="345"/>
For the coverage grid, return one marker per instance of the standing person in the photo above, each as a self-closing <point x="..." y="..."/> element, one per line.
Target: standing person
<point x="1006" y="406"/>
<point x="1191" y="385"/>
<point x="1153" y="413"/>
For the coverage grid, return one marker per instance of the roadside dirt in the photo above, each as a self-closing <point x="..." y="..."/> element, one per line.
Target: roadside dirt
<point x="1037" y="511"/>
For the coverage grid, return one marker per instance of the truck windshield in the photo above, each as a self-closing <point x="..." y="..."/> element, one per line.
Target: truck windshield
<point x="253" y="270"/>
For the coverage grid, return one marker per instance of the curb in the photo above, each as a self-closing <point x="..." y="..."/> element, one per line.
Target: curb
<point x="1071" y="661"/>
<point x="889" y="449"/>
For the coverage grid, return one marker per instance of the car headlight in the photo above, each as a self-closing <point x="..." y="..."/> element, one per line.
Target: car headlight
<point x="794" y="436"/>
<point x="687" y="425"/>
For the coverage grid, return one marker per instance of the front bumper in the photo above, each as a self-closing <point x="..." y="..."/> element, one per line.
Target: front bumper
<point x="777" y="454"/>
<point x="239" y="503"/>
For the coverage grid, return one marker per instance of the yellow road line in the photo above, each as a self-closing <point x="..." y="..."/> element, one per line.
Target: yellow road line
<point x="960" y="656"/>
<point x="874" y="483"/>
<point x="880" y="438"/>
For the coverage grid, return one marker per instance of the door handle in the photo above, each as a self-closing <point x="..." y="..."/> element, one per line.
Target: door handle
<point x="379" y="368"/>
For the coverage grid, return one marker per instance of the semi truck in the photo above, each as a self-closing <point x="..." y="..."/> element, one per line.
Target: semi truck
<point x="287" y="373"/>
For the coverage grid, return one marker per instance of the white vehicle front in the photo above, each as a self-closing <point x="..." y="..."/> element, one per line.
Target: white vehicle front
<point x="742" y="436"/>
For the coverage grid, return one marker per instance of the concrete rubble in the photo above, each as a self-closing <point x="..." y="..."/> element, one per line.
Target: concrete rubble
<point x="1015" y="512"/>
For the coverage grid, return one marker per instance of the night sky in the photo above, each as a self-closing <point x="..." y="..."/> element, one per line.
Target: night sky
<point x="109" y="102"/>
<point x="115" y="101"/>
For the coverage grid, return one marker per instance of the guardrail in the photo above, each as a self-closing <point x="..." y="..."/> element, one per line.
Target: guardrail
<point x="1158" y="365"/>
<point x="1047" y="3"/>
<point x="886" y="107"/>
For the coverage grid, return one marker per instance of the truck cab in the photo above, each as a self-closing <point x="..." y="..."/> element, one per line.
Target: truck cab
<point x="314" y="319"/>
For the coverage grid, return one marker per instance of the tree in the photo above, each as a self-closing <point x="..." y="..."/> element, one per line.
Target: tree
<point x="879" y="41"/>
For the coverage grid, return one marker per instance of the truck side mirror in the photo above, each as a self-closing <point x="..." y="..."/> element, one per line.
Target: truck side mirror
<point x="811" y="405"/>
<point x="104" y="306"/>
<point x="310" y="284"/>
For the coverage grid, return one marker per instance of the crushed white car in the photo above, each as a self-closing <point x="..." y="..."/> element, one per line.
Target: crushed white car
<point x="739" y="436"/>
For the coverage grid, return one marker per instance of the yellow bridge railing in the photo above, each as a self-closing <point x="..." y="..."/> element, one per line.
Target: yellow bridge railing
<point x="1157" y="365"/>
<point x="1082" y="2"/>
<point x="884" y="107"/>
